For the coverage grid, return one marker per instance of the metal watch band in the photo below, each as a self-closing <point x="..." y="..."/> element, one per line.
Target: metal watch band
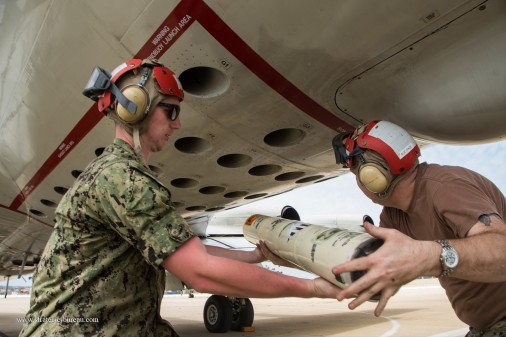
<point x="445" y="269"/>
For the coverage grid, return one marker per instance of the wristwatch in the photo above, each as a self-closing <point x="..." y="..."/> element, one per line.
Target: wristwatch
<point x="449" y="258"/>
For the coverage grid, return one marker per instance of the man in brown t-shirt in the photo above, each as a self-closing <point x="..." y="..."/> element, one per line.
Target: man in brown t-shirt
<point x="437" y="220"/>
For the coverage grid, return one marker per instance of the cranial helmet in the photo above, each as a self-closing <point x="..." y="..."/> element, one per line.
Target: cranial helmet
<point x="379" y="153"/>
<point x="128" y="93"/>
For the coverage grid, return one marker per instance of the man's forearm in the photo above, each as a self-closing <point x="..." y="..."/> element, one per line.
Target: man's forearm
<point x="482" y="257"/>
<point x="248" y="256"/>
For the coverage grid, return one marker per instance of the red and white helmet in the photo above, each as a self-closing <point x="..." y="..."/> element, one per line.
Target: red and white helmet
<point x="392" y="142"/>
<point x="167" y="83"/>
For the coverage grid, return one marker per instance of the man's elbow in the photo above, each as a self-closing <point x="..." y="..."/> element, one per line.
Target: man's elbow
<point x="191" y="264"/>
<point x="199" y="283"/>
<point x="192" y="277"/>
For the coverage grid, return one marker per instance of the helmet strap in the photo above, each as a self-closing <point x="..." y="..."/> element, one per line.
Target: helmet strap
<point x="137" y="143"/>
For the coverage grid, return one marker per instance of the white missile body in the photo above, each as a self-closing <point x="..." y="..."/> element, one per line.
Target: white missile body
<point x="313" y="248"/>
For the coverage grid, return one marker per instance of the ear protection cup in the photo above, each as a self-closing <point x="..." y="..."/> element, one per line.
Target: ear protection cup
<point x="140" y="97"/>
<point x="374" y="177"/>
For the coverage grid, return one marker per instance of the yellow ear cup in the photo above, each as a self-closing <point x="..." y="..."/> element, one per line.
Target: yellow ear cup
<point x="140" y="97"/>
<point x="372" y="177"/>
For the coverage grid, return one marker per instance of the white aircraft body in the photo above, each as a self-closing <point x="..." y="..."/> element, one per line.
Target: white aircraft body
<point x="267" y="84"/>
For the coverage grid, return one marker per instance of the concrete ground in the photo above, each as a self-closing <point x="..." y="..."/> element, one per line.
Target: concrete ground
<point x="420" y="308"/>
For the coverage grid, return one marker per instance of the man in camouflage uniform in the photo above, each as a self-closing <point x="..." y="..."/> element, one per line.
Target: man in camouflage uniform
<point x="102" y="272"/>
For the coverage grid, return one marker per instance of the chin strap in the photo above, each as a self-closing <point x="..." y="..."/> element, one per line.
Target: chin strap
<point x="137" y="143"/>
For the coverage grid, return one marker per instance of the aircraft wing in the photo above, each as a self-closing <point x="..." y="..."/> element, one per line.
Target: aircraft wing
<point x="267" y="86"/>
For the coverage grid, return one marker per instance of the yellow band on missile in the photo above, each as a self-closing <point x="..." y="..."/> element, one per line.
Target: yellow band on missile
<point x="251" y="219"/>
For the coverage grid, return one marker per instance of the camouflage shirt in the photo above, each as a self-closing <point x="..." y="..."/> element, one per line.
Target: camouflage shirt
<point x="114" y="228"/>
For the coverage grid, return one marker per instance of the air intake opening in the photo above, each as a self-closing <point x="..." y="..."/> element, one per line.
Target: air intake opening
<point x="204" y="82"/>
<point x="284" y="137"/>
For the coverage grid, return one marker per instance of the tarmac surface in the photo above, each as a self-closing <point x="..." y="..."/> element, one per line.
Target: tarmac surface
<point x="420" y="308"/>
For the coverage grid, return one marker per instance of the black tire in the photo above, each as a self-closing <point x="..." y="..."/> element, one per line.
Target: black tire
<point x="243" y="314"/>
<point x="218" y="314"/>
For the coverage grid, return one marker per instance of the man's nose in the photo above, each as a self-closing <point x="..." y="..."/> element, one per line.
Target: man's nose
<point x="175" y="124"/>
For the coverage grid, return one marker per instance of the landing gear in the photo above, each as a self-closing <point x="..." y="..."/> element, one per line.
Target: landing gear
<point x="242" y="313"/>
<point x="218" y="314"/>
<point x="222" y="314"/>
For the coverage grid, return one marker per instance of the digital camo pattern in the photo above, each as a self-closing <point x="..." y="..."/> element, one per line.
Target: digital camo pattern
<point x="498" y="330"/>
<point x="102" y="262"/>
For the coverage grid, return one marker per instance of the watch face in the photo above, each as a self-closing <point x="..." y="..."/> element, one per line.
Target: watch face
<point x="451" y="259"/>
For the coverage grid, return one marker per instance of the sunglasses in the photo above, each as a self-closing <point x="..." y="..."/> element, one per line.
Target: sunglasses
<point x="172" y="110"/>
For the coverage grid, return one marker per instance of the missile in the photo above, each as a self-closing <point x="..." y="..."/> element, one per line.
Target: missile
<point x="313" y="248"/>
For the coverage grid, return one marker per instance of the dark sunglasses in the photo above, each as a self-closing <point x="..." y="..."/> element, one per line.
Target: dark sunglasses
<point x="172" y="110"/>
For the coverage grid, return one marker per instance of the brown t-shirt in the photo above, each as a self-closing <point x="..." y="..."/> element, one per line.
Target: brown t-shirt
<point x="448" y="202"/>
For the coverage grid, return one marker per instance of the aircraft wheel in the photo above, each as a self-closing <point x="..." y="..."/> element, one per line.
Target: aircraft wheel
<point x="242" y="313"/>
<point x="218" y="314"/>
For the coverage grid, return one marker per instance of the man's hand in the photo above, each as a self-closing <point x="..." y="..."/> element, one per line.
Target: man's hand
<point x="398" y="261"/>
<point x="273" y="257"/>
<point x="323" y="289"/>
<point x="257" y="255"/>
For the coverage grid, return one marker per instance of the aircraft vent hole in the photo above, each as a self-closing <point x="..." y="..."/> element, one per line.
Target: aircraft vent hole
<point x="308" y="179"/>
<point x="264" y="170"/>
<point x="155" y="169"/>
<point x="289" y="176"/>
<point x="214" y="209"/>
<point x="38" y="213"/>
<point x="192" y="145"/>
<point x="284" y="137"/>
<point x="184" y="182"/>
<point x="76" y="173"/>
<point x="48" y="203"/>
<point x="61" y="190"/>
<point x="99" y="151"/>
<point x="204" y="82"/>
<point x="235" y="194"/>
<point x="212" y="190"/>
<point x="195" y="208"/>
<point x="256" y="196"/>
<point x="234" y="160"/>
<point x="328" y="178"/>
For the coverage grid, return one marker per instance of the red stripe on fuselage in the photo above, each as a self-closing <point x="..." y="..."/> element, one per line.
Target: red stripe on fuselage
<point x="93" y="116"/>
<point x="82" y="128"/>
<point x="244" y="53"/>
<point x="182" y="17"/>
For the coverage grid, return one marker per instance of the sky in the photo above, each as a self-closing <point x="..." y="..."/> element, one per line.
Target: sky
<point x="342" y="197"/>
